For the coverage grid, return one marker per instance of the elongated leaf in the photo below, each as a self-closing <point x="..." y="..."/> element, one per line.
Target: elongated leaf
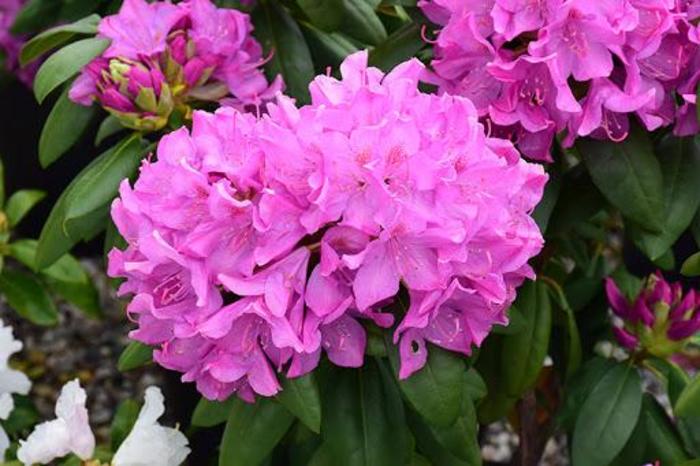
<point x="362" y="415"/>
<point x="65" y="63"/>
<point x="34" y="16"/>
<point x="461" y="438"/>
<point x="324" y="14"/>
<point x="109" y="127"/>
<point x="135" y="355"/>
<point x="688" y="404"/>
<point x="20" y="203"/>
<point x="429" y="445"/>
<point x="628" y="175"/>
<point x="93" y="188"/>
<point x="56" y="36"/>
<point x="210" y="413"/>
<point x="66" y="277"/>
<point x="301" y="397"/>
<point x="474" y="385"/>
<point x="674" y="378"/>
<point x="691" y="266"/>
<point x="26" y="295"/>
<point x="543" y="211"/>
<point x="523" y="353"/>
<point x="280" y="34"/>
<point x="65" y="125"/>
<point x="497" y="402"/>
<point x="608" y="417"/>
<point x="327" y="48"/>
<point x="663" y="444"/>
<point x="361" y="22"/>
<point x="573" y="349"/>
<point x="123" y="422"/>
<point x="435" y="391"/>
<point x="252" y="431"/>
<point x="579" y="387"/>
<point x="681" y="178"/>
<point x="634" y="450"/>
<point x="401" y="45"/>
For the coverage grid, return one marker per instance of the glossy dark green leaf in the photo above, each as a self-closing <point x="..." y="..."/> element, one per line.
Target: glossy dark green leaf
<point x="66" y="277"/>
<point x="22" y="418"/>
<point x="20" y="203"/>
<point x="210" y="413"/>
<point x="632" y="454"/>
<point x="323" y="14"/>
<point x="35" y="15"/>
<point x="673" y="377"/>
<point x="429" y="446"/>
<point x="691" y="266"/>
<point x="327" y="48"/>
<point x="435" y="391"/>
<point x="579" y="387"/>
<point x="26" y="295"/>
<point x="252" y="431"/>
<point x="93" y="188"/>
<point x="523" y="353"/>
<point x="573" y="350"/>
<point x="355" y="18"/>
<point x="65" y="63"/>
<point x="497" y="402"/>
<point x="607" y="417"/>
<point x="363" y="415"/>
<point x="109" y="127"/>
<point x="629" y="176"/>
<point x="279" y="34"/>
<point x="688" y="404"/>
<point x="47" y="40"/>
<point x="135" y="355"/>
<point x="123" y="421"/>
<point x="474" y="385"/>
<point x="516" y="323"/>
<point x="461" y="438"/>
<point x="301" y="397"/>
<point x="65" y="125"/>
<point x="681" y="177"/>
<point x="400" y="46"/>
<point x="689" y="430"/>
<point x="663" y="443"/>
<point x="543" y="211"/>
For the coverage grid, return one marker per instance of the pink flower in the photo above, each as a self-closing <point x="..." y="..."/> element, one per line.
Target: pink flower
<point x="10" y="44"/>
<point x="258" y="244"/>
<point x="163" y="56"/>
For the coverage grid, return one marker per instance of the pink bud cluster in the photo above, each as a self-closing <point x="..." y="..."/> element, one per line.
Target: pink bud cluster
<point x="536" y="69"/>
<point x="11" y="44"/>
<point x="257" y="243"/>
<point x="162" y="56"/>
<point x="661" y="318"/>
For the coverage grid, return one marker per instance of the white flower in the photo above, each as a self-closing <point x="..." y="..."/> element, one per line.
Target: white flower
<point x="11" y="381"/>
<point x="149" y="443"/>
<point x="68" y="433"/>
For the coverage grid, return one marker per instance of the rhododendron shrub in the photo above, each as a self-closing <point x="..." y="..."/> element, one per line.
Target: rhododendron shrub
<point x="577" y="68"/>
<point x="257" y="244"/>
<point x="363" y="231"/>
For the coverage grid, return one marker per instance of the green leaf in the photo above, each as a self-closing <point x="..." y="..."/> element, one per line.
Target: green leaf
<point x="628" y="175"/>
<point x="579" y="387"/>
<point x="608" y="417"/>
<point x="691" y="266"/>
<point x="98" y="187"/>
<point x="327" y="48"/>
<point x="516" y="323"/>
<point x="573" y="349"/>
<point x="26" y="295"/>
<point x="474" y="385"/>
<point x="681" y="176"/>
<point x="435" y="391"/>
<point x="497" y="402"/>
<point x="279" y="34"/>
<point x="301" y="397"/>
<point x="689" y="429"/>
<point x="22" y="417"/>
<point x="363" y="415"/>
<point x="63" y="128"/>
<point x="210" y="413"/>
<point x="252" y="431"/>
<point x="109" y="127"/>
<point x="20" y="203"/>
<point x="123" y="421"/>
<point x="82" y="210"/>
<point x="523" y="353"/>
<point x="401" y="45"/>
<point x="543" y="211"/>
<point x="430" y="446"/>
<point x="47" y="40"/>
<point x="324" y="14"/>
<point x="66" y="277"/>
<point x="34" y="16"/>
<point x="361" y="22"/>
<point x="632" y="454"/>
<point x="461" y="438"/>
<point x="674" y="378"/>
<point x="135" y="355"/>
<point x="65" y="63"/>
<point x="688" y="404"/>
<point x="663" y="444"/>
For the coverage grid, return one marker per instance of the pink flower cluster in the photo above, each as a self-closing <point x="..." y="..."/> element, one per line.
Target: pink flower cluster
<point x="660" y="320"/>
<point x="538" y="68"/>
<point x="257" y="243"/>
<point x="11" y="44"/>
<point x="161" y="56"/>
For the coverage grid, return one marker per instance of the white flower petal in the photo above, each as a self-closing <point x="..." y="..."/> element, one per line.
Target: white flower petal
<point x="69" y="433"/>
<point x="8" y="345"/>
<point x="149" y="443"/>
<point x="4" y="444"/>
<point x="7" y="404"/>
<point x="12" y="381"/>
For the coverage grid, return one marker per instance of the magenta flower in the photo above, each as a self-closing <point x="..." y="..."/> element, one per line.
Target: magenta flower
<point x="540" y="69"/>
<point x="258" y="244"/>
<point x="163" y="56"/>
<point x="11" y="44"/>
<point x="659" y="321"/>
